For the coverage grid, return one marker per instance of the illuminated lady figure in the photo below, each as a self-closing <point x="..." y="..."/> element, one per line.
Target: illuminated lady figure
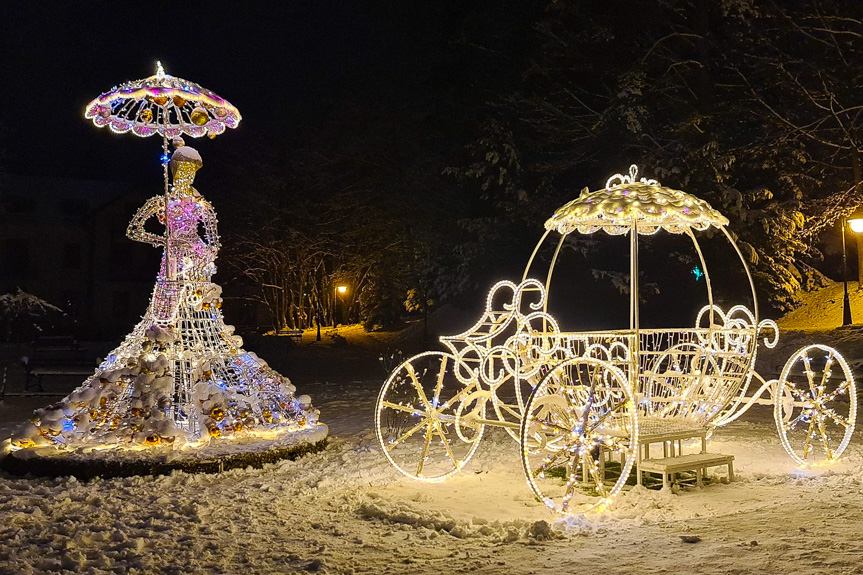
<point x="181" y="376"/>
<point x="188" y="257"/>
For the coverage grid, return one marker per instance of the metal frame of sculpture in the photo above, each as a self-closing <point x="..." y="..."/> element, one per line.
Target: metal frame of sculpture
<point x="578" y="402"/>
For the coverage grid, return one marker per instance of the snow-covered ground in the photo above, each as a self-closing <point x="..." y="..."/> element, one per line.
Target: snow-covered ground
<point x="345" y="510"/>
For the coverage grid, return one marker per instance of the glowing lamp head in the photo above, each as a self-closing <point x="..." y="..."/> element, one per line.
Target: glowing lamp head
<point x="343" y="289"/>
<point x="856" y="224"/>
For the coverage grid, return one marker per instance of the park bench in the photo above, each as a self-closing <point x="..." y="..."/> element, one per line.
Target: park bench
<point x="295" y="334"/>
<point x="673" y="460"/>
<point x="56" y="355"/>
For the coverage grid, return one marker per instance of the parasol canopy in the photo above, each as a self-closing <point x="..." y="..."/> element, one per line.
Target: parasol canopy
<point x="627" y="202"/>
<point x="165" y="105"/>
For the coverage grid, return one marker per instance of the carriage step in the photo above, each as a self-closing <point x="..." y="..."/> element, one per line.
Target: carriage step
<point x="697" y="462"/>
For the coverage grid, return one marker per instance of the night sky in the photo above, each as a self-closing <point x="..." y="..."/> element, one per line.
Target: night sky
<point x="287" y="66"/>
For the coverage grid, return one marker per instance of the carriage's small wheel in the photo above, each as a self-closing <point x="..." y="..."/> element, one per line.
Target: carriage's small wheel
<point x="428" y="423"/>
<point x="815" y="405"/>
<point x="578" y="419"/>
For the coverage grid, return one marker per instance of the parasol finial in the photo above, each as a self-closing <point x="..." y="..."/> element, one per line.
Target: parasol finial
<point x="160" y="72"/>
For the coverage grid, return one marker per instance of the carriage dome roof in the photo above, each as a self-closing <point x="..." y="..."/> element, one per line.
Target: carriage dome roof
<point x="625" y="202"/>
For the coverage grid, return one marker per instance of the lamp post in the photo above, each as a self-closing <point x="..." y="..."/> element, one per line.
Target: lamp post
<point x="855" y="222"/>
<point x="338" y="296"/>
<point x="846" y="305"/>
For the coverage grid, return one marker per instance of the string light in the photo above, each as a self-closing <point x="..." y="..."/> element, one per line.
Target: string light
<point x="594" y="393"/>
<point x="181" y="377"/>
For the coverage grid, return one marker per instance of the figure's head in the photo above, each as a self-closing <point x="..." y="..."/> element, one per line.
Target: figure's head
<point x="185" y="161"/>
<point x="185" y="155"/>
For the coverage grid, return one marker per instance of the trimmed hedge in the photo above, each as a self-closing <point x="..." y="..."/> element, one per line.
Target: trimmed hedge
<point x="59" y="466"/>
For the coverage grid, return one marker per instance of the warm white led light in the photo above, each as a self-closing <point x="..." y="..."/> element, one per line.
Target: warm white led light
<point x="576" y="400"/>
<point x="180" y="377"/>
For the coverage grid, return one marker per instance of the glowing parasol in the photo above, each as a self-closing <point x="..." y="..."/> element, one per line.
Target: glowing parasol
<point x="163" y="105"/>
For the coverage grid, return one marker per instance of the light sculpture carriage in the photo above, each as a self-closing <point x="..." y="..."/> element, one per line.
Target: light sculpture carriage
<point x="580" y="403"/>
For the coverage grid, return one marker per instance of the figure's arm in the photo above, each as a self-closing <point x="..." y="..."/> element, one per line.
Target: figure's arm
<point x="136" y="231"/>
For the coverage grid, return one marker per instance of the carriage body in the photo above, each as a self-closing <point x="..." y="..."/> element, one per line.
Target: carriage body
<point x="580" y="403"/>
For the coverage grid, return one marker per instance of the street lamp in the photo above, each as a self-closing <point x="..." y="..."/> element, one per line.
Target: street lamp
<point x="855" y="222"/>
<point x="340" y="291"/>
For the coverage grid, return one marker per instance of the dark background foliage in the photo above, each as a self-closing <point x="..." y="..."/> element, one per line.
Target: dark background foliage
<point x="413" y="150"/>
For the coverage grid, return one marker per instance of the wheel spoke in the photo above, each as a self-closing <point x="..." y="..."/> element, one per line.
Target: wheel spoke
<point x="608" y="414"/>
<point x="457" y="397"/>
<point x="446" y="444"/>
<point x="420" y="392"/>
<point x="549" y="459"/>
<point x="399" y="407"/>
<point x="404" y="437"/>
<point x="425" y="450"/>
<point x="825" y="441"/>
<point x="807" y="444"/>
<point x="592" y="468"/>
<point x="836" y="392"/>
<point x="825" y="374"/>
<point x="809" y="374"/>
<point x="550" y="424"/>
<point x="439" y="382"/>
<point x="837" y="419"/>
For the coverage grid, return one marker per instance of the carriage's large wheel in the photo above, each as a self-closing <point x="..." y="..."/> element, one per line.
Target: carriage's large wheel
<point x="426" y="420"/>
<point x="815" y="405"/>
<point x="578" y="415"/>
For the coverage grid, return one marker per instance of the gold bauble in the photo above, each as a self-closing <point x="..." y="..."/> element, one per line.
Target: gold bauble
<point x="179" y="101"/>
<point x="205" y="305"/>
<point x="267" y="415"/>
<point x="103" y="401"/>
<point x="160" y="100"/>
<point x="211" y="135"/>
<point x="199" y="116"/>
<point x="152" y="439"/>
<point x="214" y="431"/>
<point x="238" y="426"/>
<point x="208" y="373"/>
<point x="135" y="412"/>
<point x="146" y="115"/>
<point x="199" y="293"/>
<point x="218" y="305"/>
<point x="217" y="413"/>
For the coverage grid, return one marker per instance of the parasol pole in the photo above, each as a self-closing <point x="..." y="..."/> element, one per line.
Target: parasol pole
<point x="169" y="265"/>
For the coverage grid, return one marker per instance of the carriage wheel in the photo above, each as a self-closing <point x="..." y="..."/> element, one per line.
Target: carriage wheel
<point x="578" y="416"/>
<point x="426" y="420"/>
<point x="815" y="405"/>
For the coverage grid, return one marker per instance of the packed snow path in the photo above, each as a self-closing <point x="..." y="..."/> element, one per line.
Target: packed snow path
<point x="345" y="510"/>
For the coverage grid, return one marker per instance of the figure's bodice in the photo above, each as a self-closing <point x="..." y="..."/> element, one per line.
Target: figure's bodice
<point x="191" y="239"/>
<point x="194" y="255"/>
